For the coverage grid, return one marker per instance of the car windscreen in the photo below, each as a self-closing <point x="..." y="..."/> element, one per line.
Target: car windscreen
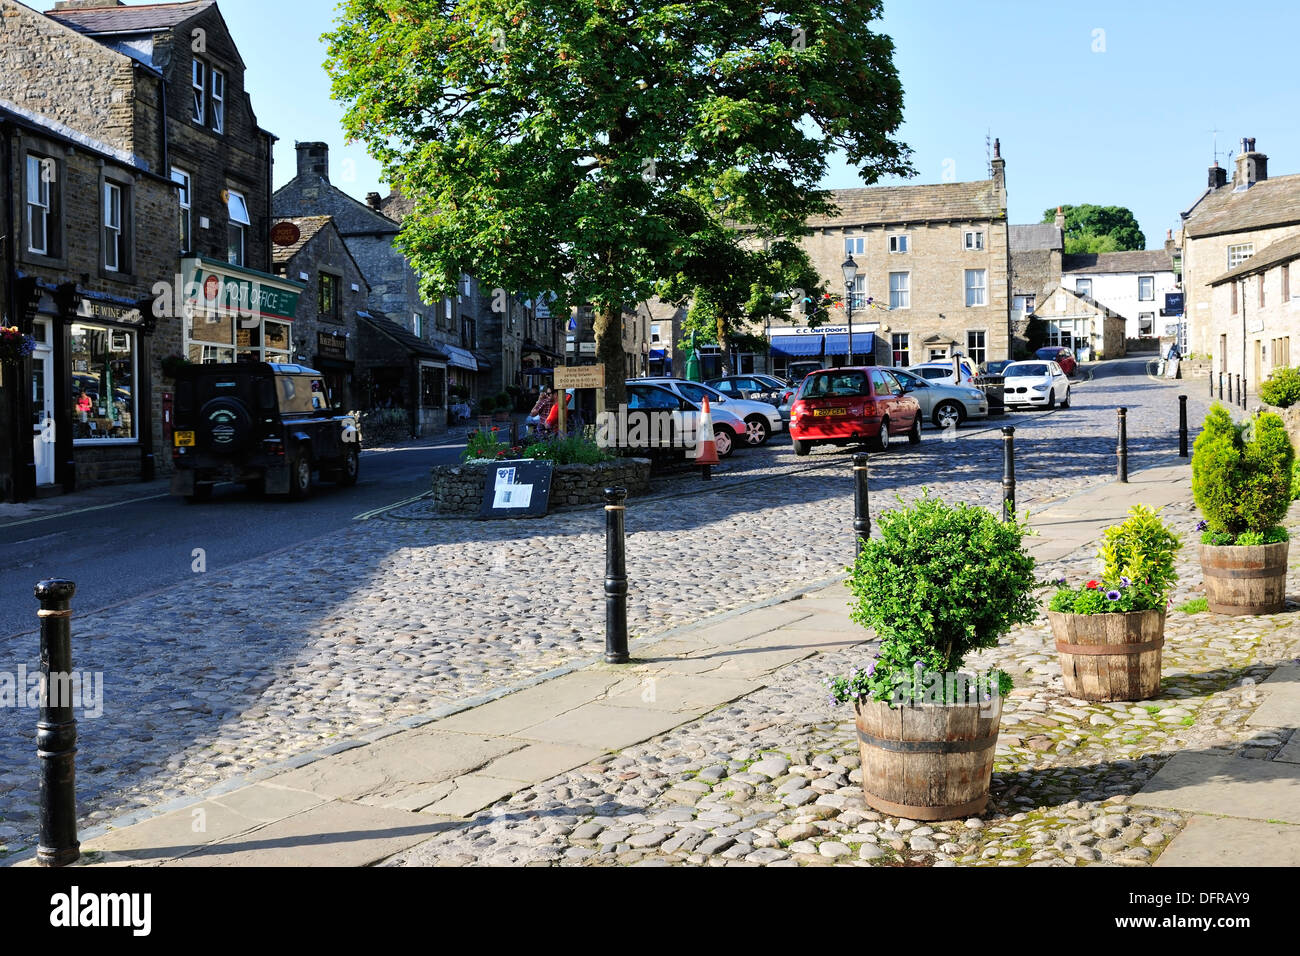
<point x="1048" y="353"/>
<point x="1026" y="371"/>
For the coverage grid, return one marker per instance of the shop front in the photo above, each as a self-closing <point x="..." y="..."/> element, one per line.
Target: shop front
<point x="331" y="360"/>
<point x="234" y="314"/>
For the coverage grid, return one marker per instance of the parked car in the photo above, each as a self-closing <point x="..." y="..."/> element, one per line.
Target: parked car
<point x="943" y="372"/>
<point x="1035" y="383"/>
<point x="1060" y="355"/>
<point x="649" y="397"/>
<point x="759" y="419"/>
<point x="945" y="405"/>
<point x="844" y="406"/>
<point x="992" y="369"/>
<point x="267" y="425"/>
<point x="761" y="388"/>
<point x="798" y="371"/>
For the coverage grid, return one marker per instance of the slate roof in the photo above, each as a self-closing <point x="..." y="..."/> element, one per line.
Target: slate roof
<point x="1276" y="253"/>
<point x="938" y="202"/>
<point x="141" y="18"/>
<point x="400" y="335"/>
<point x="308" y="226"/>
<point x="1034" y="238"/>
<point x="1107" y="312"/>
<point x="1272" y="202"/>
<point x="1138" y="260"/>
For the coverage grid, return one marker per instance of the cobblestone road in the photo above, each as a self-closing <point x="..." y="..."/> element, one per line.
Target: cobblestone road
<point x="398" y="616"/>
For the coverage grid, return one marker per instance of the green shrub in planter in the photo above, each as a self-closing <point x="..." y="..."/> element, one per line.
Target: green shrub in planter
<point x="1138" y="569"/>
<point x="1281" y="388"/>
<point x="940" y="582"/>
<point x="1241" y="477"/>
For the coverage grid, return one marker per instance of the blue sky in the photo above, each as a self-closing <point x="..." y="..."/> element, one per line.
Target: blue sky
<point x="1117" y="117"/>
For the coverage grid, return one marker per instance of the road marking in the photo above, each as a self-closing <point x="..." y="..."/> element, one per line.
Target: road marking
<point x="367" y="515"/>
<point x="82" y="511"/>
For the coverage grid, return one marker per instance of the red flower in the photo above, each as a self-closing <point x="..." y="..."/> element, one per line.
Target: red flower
<point x="1092" y="584"/>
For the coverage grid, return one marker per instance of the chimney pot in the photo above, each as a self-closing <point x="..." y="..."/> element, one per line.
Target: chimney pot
<point x="373" y="200"/>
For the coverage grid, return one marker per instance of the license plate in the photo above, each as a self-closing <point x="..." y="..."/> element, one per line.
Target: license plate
<point x="824" y="412"/>
<point x="183" y="439"/>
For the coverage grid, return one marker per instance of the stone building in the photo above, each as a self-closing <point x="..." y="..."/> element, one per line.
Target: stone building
<point x="934" y="260"/>
<point x="325" y="326"/>
<point x="1228" y="224"/>
<point x="1036" y="253"/>
<point x="1082" y="324"/>
<point x="1257" y="313"/>
<point x="1131" y="284"/>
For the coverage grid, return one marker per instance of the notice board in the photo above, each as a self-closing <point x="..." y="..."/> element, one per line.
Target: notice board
<point x="517" y="488"/>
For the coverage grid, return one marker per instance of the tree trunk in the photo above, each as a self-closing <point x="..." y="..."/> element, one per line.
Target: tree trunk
<point x="608" y="326"/>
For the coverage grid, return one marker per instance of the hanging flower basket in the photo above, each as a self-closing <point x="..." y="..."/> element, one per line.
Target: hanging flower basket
<point x="14" y="346"/>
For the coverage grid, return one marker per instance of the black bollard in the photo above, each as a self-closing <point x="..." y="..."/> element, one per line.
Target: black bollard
<point x="1220" y="386"/>
<point x="1182" y="426"/>
<point x="56" y="730"/>
<point x="1231" y="400"/>
<point x="1211" y="378"/>
<point x="1008" y="474"/>
<point x="1123" y="444"/>
<point x="615" y="578"/>
<point x="1241" y="390"/>
<point x="861" y="503"/>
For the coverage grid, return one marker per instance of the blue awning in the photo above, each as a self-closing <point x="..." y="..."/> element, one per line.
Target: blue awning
<point x="864" y="343"/>
<point x="797" y="346"/>
<point x="656" y="353"/>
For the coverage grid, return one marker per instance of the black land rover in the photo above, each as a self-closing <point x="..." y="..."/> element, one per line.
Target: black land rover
<point x="266" y="425"/>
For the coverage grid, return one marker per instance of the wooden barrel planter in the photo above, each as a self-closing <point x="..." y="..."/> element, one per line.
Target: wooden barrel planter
<point x="1245" y="579"/>
<point x="1110" y="656"/>
<point x="928" y="762"/>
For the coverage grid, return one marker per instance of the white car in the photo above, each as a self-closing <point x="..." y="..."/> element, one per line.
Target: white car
<point x="1035" y="383"/>
<point x="761" y="419"/>
<point x="942" y="373"/>
<point x="947" y="406"/>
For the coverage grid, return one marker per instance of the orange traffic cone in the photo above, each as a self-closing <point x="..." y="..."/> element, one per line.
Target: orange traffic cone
<point x="706" y="451"/>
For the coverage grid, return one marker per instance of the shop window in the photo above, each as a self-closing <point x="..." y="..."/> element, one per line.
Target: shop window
<point x="433" y="386"/>
<point x="103" y="384"/>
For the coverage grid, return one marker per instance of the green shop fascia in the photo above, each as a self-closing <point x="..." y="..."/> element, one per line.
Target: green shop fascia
<point x="233" y="313"/>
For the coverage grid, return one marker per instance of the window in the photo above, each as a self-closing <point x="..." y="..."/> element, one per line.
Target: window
<point x="417" y="325"/>
<point x="115" y="239"/>
<point x="902" y="350"/>
<point x="446" y="312"/>
<point x="237" y="230"/>
<point x="859" y="292"/>
<point x="42" y="206"/>
<point x="433" y="385"/>
<point x="976" y="280"/>
<point x="468" y="340"/>
<point x="1234" y="298"/>
<point x="855" y="245"/>
<point x="218" y="101"/>
<point x="975" y="346"/>
<point x="1146" y="324"/>
<point x="900" y="290"/>
<point x="1083" y="287"/>
<point x="973" y="240"/>
<point x="1146" y="288"/>
<point x="1240" y="253"/>
<point x="103" y="384"/>
<point x="900" y="244"/>
<point x="198" y="83"/>
<point x="1281" y="352"/>
<point x="1022" y="305"/>
<point x="936" y="355"/>
<point x="327" y="297"/>
<point x="183" y="196"/>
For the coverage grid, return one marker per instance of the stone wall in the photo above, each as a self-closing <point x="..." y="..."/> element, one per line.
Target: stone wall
<point x="458" y="489"/>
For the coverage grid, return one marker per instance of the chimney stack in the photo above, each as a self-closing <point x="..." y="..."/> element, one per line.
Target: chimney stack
<point x="373" y="200"/>
<point x="999" y="171"/>
<point x="1060" y="219"/>
<point x="314" y="160"/>
<point x="1218" y="176"/>
<point x="1252" y="166"/>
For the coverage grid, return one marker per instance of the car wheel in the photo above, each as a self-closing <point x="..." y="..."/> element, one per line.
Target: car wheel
<point x="948" y="414"/>
<point x="351" y="470"/>
<point x="1065" y="402"/>
<point x="801" y="448"/>
<point x="914" y="436"/>
<point x="756" y="430"/>
<point x="1051" y="400"/>
<point x="300" y="475"/>
<point x="723" y="441"/>
<point x="882" y="440"/>
<point x="201" y="493"/>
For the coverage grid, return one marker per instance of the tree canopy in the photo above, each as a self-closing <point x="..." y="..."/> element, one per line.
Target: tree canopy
<point x="1090" y="228"/>
<point x="585" y="147"/>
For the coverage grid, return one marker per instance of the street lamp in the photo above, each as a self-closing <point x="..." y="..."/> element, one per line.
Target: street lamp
<point x="850" y="270"/>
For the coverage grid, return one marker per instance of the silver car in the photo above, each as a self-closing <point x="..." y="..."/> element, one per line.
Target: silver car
<point x="947" y="406"/>
<point x="761" y="419"/>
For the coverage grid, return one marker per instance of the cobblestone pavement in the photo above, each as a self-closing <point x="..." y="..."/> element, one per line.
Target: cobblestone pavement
<point x="396" y="617"/>
<point x="774" y="779"/>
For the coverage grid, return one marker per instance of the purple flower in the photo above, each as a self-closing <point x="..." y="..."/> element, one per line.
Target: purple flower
<point x="1124" y="582"/>
<point x="1202" y="526"/>
<point x="1112" y="595"/>
<point x="871" y="668"/>
<point x="1059" y="582"/>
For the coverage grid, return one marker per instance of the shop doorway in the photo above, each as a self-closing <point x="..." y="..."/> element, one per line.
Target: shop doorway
<point x="43" y="404"/>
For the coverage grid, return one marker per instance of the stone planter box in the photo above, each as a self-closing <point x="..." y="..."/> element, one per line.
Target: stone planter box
<point x="458" y="489"/>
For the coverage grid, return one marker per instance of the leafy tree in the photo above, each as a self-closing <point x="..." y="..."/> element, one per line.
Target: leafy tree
<point x="572" y="146"/>
<point x="1091" y="228"/>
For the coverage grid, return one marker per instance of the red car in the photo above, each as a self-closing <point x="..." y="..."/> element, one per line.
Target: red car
<point x="844" y="406"/>
<point x="1060" y="355"/>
